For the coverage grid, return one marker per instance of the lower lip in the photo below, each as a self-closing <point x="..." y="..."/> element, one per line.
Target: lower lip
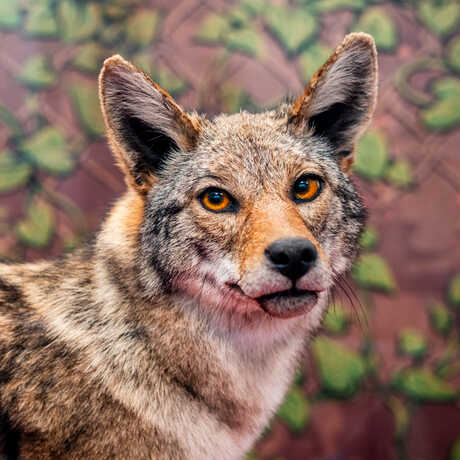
<point x="232" y="298"/>
<point x="288" y="306"/>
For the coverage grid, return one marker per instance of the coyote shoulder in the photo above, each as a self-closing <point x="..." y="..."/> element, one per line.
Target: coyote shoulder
<point x="175" y="334"/>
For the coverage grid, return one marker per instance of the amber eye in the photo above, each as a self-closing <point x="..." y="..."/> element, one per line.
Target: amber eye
<point x="307" y="188"/>
<point x="216" y="200"/>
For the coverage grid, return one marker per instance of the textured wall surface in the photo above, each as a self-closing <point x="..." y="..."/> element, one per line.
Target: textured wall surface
<point x="382" y="381"/>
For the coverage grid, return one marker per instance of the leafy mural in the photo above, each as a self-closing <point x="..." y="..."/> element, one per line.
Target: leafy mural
<point x="341" y="371"/>
<point x="443" y="113"/>
<point x="37" y="73"/>
<point x="13" y="171"/>
<point x="10" y="14"/>
<point x="411" y="342"/>
<point x="371" y="155"/>
<point x="420" y="384"/>
<point x="295" y="410"/>
<point x="378" y="23"/>
<point x="292" y="27"/>
<point x="441" y="17"/>
<point x="390" y="337"/>
<point x="372" y="272"/>
<point x="37" y="226"/>
<point x="48" y="150"/>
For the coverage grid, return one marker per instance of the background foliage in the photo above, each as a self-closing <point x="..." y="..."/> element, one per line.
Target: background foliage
<point x="382" y="381"/>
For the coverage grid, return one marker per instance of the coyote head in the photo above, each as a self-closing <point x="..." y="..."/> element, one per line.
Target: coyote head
<point x="248" y="216"/>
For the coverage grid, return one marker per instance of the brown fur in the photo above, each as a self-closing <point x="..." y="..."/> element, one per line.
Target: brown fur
<point x="161" y="339"/>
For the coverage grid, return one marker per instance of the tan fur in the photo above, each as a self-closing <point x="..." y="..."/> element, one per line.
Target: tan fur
<point x="269" y="222"/>
<point x="174" y="335"/>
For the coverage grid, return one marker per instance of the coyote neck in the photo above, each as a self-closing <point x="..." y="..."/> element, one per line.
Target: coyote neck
<point x="166" y="367"/>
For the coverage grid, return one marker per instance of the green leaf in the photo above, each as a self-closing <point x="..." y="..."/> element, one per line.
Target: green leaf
<point x="371" y="155"/>
<point x="399" y="173"/>
<point x="295" y="410"/>
<point x="378" y="23"/>
<point x="86" y="103"/>
<point x="10" y="14"/>
<point x="324" y="6"/>
<point x="293" y="27"/>
<point x="234" y="98"/>
<point x="10" y="121"/>
<point x="369" y="238"/>
<point x="78" y="20"/>
<point x="404" y="75"/>
<point x="441" y="16"/>
<point x="411" y="343"/>
<point x="440" y="318"/>
<point x="213" y="29"/>
<point x="422" y="385"/>
<point x="37" y="73"/>
<point x="336" y="320"/>
<point x="239" y="18"/>
<point x="313" y="58"/>
<point x="14" y="172"/>
<point x="254" y="7"/>
<point x="36" y="229"/>
<point x="453" y="53"/>
<point x="372" y="272"/>
<point x="49" y="151"/>
<point x="454" y="291"/>
<point x="299" y="378"/>
<point x="40" y="21"/>
<point x="246" y="40"/>
<point x="443" y="113"/>
<point x="4" y="227"/>
<point x="401" y="416"/>
<point x="170" y="82"/>
<point x="161" y="74"/>
<point x="251" y="456"/>
<point x="341" y="371"/>
<point x="90" y="57"/>
<point x="235" y="30"/>
<point x="455" y="451"/>
<point x="111" y="33"/>
<point x="117" y="10"/>
<point x="141" y="28"/>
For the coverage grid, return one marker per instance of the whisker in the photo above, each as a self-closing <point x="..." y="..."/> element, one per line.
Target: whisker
<point x="359" y="311"/>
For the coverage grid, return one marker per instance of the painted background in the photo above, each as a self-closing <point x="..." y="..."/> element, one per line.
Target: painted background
<point x="382" y="381"/>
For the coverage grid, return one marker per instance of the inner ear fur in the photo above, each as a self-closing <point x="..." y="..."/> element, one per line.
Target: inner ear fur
<point x="144" y="123"/>
<point x="339" y="101"/>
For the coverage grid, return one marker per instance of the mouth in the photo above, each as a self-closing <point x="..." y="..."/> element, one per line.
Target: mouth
<point x="282" y="304"/>
<point x="289" y="303"/>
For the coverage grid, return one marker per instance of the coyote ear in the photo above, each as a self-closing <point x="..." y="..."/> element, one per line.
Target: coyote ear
<point x="143" y="121"/>
<point x="339" y="101"/>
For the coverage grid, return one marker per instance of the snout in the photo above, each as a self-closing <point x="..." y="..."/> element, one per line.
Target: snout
<point x="292" y="257"/>
<point x="290" y="278"/>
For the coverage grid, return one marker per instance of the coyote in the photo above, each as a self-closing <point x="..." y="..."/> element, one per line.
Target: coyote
<point x="176" y="332"/>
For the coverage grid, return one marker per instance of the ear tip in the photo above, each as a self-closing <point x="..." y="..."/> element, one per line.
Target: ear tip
<point x="360" y="39"/>
<point x="116" y="59"/>
<point x="115" y="62"/>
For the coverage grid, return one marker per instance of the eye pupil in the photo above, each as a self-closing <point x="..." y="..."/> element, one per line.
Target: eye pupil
<point x="303" y="186"/>
<point x="215" y="197"/>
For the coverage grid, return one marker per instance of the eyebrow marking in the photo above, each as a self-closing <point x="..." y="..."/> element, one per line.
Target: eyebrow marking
<point x="209" y="176"/>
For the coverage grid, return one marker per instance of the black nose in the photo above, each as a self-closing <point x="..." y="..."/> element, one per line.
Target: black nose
<point x="292" y="257"/>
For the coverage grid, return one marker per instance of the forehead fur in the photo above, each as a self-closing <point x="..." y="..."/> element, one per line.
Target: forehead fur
<point x="260" y="145"/>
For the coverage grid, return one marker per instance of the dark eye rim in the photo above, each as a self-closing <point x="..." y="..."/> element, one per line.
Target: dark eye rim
<point x="231" y="208"/>
<point x="320" y="181"/>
